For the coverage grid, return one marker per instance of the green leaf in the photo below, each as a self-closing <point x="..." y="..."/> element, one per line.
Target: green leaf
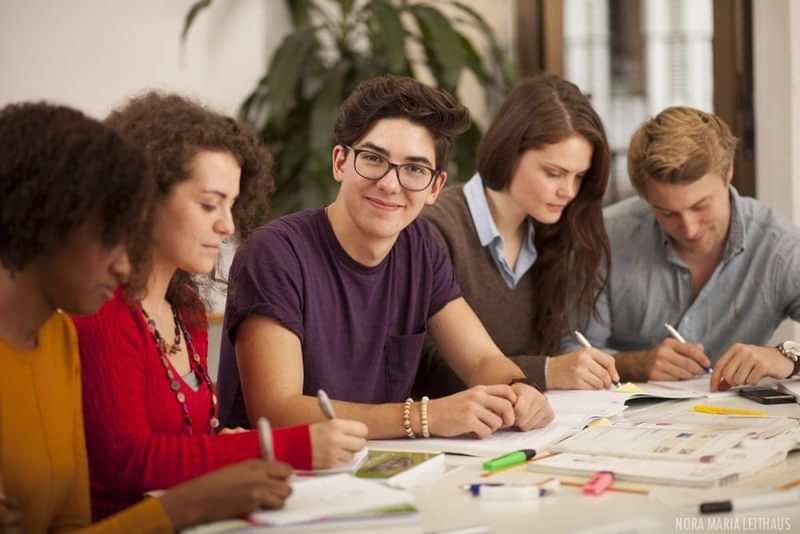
<point x="389" y="36"/>
<point x="442" y="46"/>
<point x="347" y="7"/>
<point x="285" y="70"/>
<point x="474" y="61"/>
<point x="196" y="8"/>
<point x="464" y="154"/>
<point x="325" y="108"/>
<point x="300" y="11"/>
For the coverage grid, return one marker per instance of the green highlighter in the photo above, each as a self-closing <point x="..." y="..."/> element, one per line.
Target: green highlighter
<point x="507" y="460"/>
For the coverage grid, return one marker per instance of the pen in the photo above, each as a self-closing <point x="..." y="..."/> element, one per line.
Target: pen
<point x="753" y="502"/>
<point x="265" y="439"/>
<point x="506" y="492"/>
<point x="725" y="410"/>
<point x="677" y="335"/>
<point x="325" y="404"/>
<point x="585" y="342"/>
<point x="479" y="488"/>
<point x="506" y="460"/>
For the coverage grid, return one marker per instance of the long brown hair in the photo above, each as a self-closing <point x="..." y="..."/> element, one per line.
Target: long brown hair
<point x="574" y="257"/>
<point x="172" y="130"/>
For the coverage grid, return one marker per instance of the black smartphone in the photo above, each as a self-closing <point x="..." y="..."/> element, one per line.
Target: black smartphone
<point x="767" y="396"/>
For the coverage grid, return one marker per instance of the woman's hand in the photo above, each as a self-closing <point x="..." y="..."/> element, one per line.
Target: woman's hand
<point x="232" y="491"/>
<point x="335" y="442"/>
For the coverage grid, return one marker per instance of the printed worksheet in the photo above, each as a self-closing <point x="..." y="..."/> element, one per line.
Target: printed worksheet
<point x="652" y="443"/>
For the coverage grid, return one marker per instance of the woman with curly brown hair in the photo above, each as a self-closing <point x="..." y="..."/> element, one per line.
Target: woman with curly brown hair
<point x="73" y="208"/>
<point x="149" y="402"/>
<point x="526" y="235"/>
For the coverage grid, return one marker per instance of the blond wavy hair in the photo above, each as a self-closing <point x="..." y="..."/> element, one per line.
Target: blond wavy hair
<point x="680" y="145"/>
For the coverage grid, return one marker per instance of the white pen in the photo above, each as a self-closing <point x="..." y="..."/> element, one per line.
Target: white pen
<point x="585" y="342"/>
<point x="265" y="439"/>
<point x="674" y="333"/>
<point x="325" y="404"/>
<point x="753" y="502"/>
<point x="677" y="335"/>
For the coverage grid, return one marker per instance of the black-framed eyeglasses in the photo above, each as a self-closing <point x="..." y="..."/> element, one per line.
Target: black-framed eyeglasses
<point x="373" y="166"/>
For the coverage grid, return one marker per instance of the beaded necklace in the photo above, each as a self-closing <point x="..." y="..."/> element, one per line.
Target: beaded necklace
<point x="194" y="364"/>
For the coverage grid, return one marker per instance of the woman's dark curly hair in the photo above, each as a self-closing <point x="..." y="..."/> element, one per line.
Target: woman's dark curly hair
<point x="172" y="130"/>
<point x="60" y="170"/>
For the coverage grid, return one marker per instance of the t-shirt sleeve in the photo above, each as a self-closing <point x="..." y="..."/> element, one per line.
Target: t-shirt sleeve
<point x="445" y="287"/>
<point x="266" y="279"/>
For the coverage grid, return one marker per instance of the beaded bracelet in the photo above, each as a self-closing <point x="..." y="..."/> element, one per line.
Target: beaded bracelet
<point x="407" y="418"/>
<point x="424" y="417"/>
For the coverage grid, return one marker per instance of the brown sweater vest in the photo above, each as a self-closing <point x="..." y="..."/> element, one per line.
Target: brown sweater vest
<point x="506" y="313"/>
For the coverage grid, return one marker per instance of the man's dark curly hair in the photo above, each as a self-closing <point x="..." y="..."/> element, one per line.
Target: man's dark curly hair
<point x="60" y="170"/>
<point x="389" y="97"/>
<point x="172" y="130"/>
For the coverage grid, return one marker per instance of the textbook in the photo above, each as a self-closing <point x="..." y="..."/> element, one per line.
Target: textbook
<point x="401" y="468"/>
<point x="725" y="468"/>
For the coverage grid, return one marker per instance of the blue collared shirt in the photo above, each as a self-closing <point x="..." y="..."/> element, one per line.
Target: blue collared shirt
<point x="491" y="239"/>
<point x="755" y="286"/>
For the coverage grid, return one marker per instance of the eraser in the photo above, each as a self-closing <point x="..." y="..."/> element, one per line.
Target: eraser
<point x="599" y="483"/>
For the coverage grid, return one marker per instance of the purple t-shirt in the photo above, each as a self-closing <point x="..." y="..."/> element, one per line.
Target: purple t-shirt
<point x="361" y="328"/>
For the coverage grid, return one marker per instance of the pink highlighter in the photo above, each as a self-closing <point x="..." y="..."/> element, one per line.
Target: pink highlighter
<point x="599" y="483"/>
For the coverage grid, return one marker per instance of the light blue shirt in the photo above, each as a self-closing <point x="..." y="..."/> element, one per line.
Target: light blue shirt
<point x="755" y="286"/>
<point x="491" y="239"/>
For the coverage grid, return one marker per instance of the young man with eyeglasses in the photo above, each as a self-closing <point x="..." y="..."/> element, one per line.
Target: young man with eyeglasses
<point x="341" y="298"/>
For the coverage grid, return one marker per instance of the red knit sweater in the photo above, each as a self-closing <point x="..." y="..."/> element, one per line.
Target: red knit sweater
<point x="135" y="434"/>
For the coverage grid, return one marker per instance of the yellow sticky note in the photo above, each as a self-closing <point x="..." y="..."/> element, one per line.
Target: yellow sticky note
<point x="628" y="387"/>
<point x="600" y="422"/>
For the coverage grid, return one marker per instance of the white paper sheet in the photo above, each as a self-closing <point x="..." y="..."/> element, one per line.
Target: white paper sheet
<point x="318" y="498"/>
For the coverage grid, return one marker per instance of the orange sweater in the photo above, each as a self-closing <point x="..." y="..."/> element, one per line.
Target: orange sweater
<point x="42" y="449"/>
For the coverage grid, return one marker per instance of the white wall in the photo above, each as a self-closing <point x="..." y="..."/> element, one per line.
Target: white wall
<point x="91" y="54"/>
<point x="776" y="58"/>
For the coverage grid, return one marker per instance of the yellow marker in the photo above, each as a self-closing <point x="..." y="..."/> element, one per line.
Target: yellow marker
<point x="724" y="410"/>
<point x="628" y="387"/>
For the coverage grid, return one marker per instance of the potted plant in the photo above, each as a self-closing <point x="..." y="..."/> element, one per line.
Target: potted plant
<point x="336" y="44"/>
